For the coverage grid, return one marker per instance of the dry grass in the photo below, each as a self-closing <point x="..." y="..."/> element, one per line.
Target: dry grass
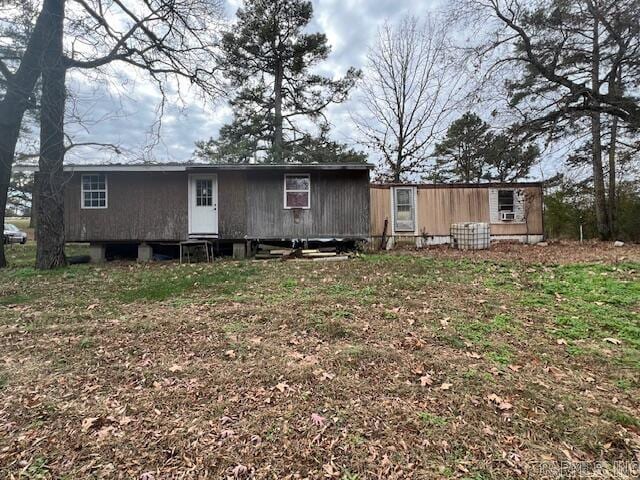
<point x="430" y="365"/>
<point x="556" y="253"/>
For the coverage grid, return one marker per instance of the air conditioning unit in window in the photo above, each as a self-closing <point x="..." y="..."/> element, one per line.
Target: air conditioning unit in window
<point x="507" y="216"/>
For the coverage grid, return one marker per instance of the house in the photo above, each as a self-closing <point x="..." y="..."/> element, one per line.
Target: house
<point x="241" y="204"/>
<point x="422" y="214"/>
<point x="150" y="205"/>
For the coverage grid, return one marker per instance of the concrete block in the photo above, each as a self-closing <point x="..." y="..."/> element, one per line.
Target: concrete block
<point x="239" y="251"/>
<point x="97" y="252"/>
<point x="145" y="253"/>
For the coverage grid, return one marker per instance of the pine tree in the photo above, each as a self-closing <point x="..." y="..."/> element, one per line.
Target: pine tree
<point x="268" y="57"/>
<point x="509" y="158"/>
<point x="461" y="156"/>
<point x="577" y="63"/>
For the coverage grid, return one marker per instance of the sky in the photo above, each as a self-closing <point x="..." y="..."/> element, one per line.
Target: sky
<point x="127" y="114"/>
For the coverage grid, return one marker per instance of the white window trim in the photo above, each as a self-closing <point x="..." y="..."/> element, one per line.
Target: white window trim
<point x="82" y="190"/>
<point x="414" y="199"/>
<point x="308" y="191"/>
<point x="519" y="200"/>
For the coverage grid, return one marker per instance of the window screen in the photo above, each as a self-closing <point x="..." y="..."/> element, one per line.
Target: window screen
<point x="94" y="191"/>
<point x="404" y="209"/>
<point x="297" y="190"/>
<point x="505" y="201"/>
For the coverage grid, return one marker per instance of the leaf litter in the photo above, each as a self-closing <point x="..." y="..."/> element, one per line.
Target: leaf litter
<point x="366" y="369"/>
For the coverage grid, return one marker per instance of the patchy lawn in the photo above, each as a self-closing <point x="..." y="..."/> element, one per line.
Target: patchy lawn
<point x="405" y="365"/>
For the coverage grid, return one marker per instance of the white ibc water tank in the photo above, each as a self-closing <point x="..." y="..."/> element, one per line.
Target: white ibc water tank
<point x="470" y="235"/>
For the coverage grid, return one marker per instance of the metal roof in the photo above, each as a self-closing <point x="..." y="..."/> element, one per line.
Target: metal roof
<point x="458" y="185"/>
<point x="183" y="167"/>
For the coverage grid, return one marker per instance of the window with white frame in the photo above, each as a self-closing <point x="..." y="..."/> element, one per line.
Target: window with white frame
<point x="297" y="191"/>
<point x="404" y="209"/>
<point x="506" y="201"/>
<point x="204" y="192"/>
<point x="94" y="191"/>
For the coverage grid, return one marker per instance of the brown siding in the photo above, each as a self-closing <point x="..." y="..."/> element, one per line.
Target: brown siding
<point x="439" y="207"/>
<point x="534" y="217"/>
<point x="141" y="206"/>
<point x="380" y="210"/>
<point x="339" y="206"/>
<point x="232" y="203"/>
<point x="152" y="206"/>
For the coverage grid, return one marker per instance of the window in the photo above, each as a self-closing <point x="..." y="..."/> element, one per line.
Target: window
<point x="204" y="192"/>
<point x="404" y="209"/>
<point x="506" y="201"/>
<point x="94" y="191"/>
<point x="297" y="189"/>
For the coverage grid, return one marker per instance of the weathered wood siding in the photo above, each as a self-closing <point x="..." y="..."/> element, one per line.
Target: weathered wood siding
<point x="439" y="207"/>
<point x="232" y="204"/>
<point x="532" y="210"/>
<point x="153" y="206"/>
<point x="339" y="206"/>
<point x="380" y="210"/>
<point x="146" y="206"/>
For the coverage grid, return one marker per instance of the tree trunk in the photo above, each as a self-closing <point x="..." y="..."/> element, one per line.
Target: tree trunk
<point x="397" y="167"/>
<point x="7" y="149"/>
<point x="33" y="222"/>
<point x="612" y="178"/>
<point x="277" y="105"/>
<point x="50" y="185"/>
<point x="19" y="89"/>
<point x="615" y="86"/>
<point x="596" y="154"/>
<point x="598" y="179"/>
<point x="396" y="173"/>
<point x="467" y="167"/>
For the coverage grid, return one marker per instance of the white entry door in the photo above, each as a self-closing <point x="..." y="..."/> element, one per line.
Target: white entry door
<point x="203" y="205"/>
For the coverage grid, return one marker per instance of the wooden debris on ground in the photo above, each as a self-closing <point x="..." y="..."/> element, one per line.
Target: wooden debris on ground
<point x="266" y="252"/>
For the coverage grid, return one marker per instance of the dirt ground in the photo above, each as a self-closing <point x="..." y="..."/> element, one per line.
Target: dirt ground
<point x="554" y="253"/>
<point x="519" y="362"/>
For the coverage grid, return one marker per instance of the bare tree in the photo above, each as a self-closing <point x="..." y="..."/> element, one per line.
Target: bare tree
<point x="19" y="77"/>
<point x="50" y="180"/>
<point x="412" y="83"/>
<point x="173" y="42"/>
<point x="574" y="65"/>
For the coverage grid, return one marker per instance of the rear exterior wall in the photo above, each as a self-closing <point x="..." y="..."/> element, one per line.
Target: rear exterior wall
<point x="339" y="206"/>
<point x="153" y="207"/>
<point x="438" y="207"/>
<point x="141" y="206"/>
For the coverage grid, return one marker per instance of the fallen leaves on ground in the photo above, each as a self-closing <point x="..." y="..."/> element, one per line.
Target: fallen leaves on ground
<point x="429" y="364"/>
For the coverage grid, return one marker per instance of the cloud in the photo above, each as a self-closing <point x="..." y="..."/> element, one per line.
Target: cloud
<point x="132" y="116"/>
<point x="125" y="109"/>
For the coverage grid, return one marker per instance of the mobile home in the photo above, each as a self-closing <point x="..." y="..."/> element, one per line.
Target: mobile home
<point x="422" y="214"/>
<point x="244" y="204"/>
<point x="153" y="204"/>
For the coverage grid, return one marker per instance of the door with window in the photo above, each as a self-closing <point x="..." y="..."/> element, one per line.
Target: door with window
<point x="404" y="209"/>
<point x="203" y="205"/>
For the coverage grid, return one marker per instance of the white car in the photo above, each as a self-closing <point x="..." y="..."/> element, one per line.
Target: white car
<point x="13" y="234"/>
